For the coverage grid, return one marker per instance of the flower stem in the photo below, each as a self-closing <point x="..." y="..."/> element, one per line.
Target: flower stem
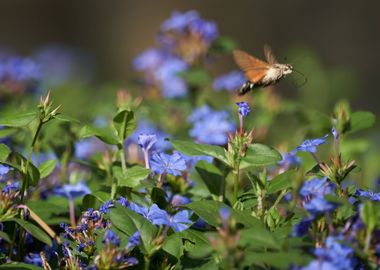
<point x="72" y="212"/>
<point x="236" y="186"/>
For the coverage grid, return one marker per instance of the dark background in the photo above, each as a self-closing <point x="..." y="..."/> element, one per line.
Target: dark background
<point x="341" y="33"/>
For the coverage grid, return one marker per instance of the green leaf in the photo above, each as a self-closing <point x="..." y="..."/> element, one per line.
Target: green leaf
<point x="260" y="155"/>
<point x="4" y="152"/>
<point x="4" y="236"/>
<point x="281" y="182"/>
<point x="133" y="176"/>
<point x="259" y="237"/>
<point x="370" y="214"/>
<point x="124" y="123"/>
<point x="47" y="167"/>
<point x="278" y="260"/>
<point x="33" y="174"/>
<point x="18" y="120"/>
<point x="65" y="118"/>
<point x="129" y="222"/>
<point x="6" y="132"/>
<point x="194" y="149"/>
<point x="361" y="120"/>
<point x="196" y="76"/>
<point x="20" y="266"/>
<point x="173" y="245"/>
<point x="34" y="231"/>
<point x="209" y="211"/>
<point x="211" y="176"/>
<point x="107" y="135"/>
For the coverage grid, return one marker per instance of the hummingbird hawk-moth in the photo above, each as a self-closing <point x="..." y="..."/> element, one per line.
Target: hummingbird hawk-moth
<point x="260" y="73"/>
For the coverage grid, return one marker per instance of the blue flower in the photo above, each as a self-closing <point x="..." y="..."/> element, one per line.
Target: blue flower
<point x="178" y="22"/>
<point x="209" y="126"/>
<point x="301" y="228"/>
<point x="11" y="187"/>
<point x="310" y="145"/>
<point x="180" y="221"/>
<point x="289" y="160"/>
<point x="158" y="216"/>
<point x="244" y="109"/>
<point x="208" y="30"/>
<point x="33" y="258"/>
<point x="134" y="240"/>
<point x="170" y="164"/>
<point x="72" y="191"/>
<point x="149" y="60"/>
<point x="111" y="237"/>
<point x="146" y="141"/>
<point x="316" y="187"/>
<point x="87" y="147"/>
<point x="4" y="169"/>
<point x="179" y="200"/>
<point x="105" y="207"/>
<point x="230" y="81"/>
<point x="224" y="214"/>
<point x="145" y="127"/>
<point x="313" y="193"/>
<point x="172" y="86"/>
<point x="337" y="253"/>
<point x="142" y="210"/>
<point x="368" y="194"/>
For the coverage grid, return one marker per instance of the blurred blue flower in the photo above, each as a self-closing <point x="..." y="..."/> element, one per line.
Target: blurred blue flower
<point x="146" y="141"/>
<point x="33" y="258"/>
<point x="149" y="60"/>
<point x="145" y="127"/>
<point x="133" y="240"/>
<point x="289" y="160"/>
<point x="178" y="21"/>
<point x="111" y="237"/>
<point x="313" y="192"/>
<point x="316" y="187"/>
<point x="337" y="252"/>
<point x="60" y="64"/>
<point x="85" y="148"/>
<point x="19" y="69"/>
<point x="4" y="169"/>
<point x="230" y="81"/>
<point x="207" y="30"/>
<point x="224" y="214"/>
<point x="11" y="187"/>
<point x="368" y="194"/>
<point x="301" y="228"/>
<point x="191" y="161"/>
<point x="171" y="164"/>
<point x="105" y="207"/>
<point x="172" y="86"/>
<point x="72" y="191"/>
<point x="244" y="108"/>
<point x="178" y="200"/>
<point x="310" y="145"/>
<point x="209" y="126"/>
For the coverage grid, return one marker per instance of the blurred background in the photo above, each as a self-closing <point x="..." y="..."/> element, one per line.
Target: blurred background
<point x="339" y="33"/>
<point x="85" y="49"/>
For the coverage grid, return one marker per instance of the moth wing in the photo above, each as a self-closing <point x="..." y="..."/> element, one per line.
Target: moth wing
<point x="269" y="55"/>
<point x="247" y="62"/>
<point x="255" y="75"/>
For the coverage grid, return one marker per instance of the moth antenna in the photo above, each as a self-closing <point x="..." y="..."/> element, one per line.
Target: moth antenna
<point x="303" y="75"/>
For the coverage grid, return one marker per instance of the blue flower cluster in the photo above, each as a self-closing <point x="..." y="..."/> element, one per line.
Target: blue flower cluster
<point x="335" y="255"/>
<point x="163" y="65"/>
<point x="313" y="192"/>
<point x="230" y="81"/>
<point x="209" y="126"/>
